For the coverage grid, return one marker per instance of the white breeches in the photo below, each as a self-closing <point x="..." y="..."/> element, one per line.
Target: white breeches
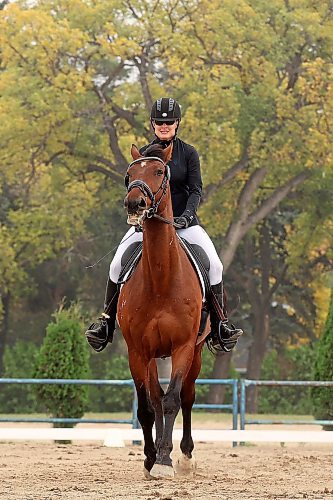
<point x="194" y="234"/>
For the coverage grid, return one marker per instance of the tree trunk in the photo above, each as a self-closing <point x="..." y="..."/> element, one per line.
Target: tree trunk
<point x="216" y="393"/>
<point x="255" y="359"/>
<point x="4" y="329"/>
<point x="238" y="230"/>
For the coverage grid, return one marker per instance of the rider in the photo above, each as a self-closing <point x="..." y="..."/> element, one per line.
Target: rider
<point x="186" y="189"/>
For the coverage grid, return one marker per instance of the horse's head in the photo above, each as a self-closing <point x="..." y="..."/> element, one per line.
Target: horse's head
<point x="147" y="181"/>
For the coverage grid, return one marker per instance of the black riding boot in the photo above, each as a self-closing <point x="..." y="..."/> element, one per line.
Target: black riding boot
<point x="223" y="337"/>
<point x="100" y="333"/>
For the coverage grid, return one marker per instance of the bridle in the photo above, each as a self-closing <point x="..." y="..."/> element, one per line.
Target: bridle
<point x="146" y="191"/>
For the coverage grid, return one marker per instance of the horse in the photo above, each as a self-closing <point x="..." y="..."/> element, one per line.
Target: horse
<point x="159" y="312"/>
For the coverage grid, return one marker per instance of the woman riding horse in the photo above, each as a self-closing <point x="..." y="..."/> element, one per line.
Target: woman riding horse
<point x="186" y="190"/>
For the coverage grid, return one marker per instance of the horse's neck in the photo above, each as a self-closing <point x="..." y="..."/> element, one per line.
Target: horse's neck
<point x="161" y="252"/>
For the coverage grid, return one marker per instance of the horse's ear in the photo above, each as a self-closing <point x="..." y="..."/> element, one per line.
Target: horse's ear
<point x="167" y="153"/>
<point x="135" y="152"/>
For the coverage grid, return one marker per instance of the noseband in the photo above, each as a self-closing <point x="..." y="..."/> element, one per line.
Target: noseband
<point x="145" y="189"/>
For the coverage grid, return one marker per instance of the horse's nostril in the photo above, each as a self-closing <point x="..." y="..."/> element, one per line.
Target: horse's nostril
<point x="135" y="205"/>
<point x="142" y="203"/>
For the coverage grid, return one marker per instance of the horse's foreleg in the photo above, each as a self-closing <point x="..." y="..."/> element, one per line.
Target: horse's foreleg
<point x="156" y="395"/>
<point x="186" y="463"/>
<point x="146" y="415"/>
<point x="171" y="404"/>
<point x="181" y="362"/>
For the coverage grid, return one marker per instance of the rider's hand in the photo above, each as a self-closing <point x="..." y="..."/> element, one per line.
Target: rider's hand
<point x="184" y="220"/>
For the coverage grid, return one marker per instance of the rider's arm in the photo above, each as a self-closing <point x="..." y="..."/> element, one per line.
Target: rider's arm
<point x="193" y="180"/>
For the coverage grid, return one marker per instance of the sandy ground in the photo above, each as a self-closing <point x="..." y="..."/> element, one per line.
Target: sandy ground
<point x="45" y="470"/>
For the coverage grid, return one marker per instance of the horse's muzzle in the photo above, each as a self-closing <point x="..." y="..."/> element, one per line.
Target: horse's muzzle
<point x="136" y="208"/>
<point x="135" y="205"/>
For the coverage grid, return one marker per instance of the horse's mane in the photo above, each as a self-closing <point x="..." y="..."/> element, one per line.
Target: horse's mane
<point x="154" y="150"/>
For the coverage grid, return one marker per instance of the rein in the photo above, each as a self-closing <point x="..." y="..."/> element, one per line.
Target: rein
<point x="146" y="191"/>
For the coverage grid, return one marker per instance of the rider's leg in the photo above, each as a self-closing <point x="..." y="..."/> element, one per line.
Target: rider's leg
<point x="101" y="332"/>
<point x="222" y="336"/>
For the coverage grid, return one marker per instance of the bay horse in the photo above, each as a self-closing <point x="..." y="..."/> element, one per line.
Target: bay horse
<point x="159" y="311"/>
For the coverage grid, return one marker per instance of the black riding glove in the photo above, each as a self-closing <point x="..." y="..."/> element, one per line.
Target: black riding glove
<point x="184" y="220"/>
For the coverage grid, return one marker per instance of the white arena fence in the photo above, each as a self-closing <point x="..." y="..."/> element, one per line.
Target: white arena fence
<point x="115" y="437"/>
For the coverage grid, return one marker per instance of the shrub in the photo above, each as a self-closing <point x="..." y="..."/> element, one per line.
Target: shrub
<point x="322" y="397"/>
<point x="292" y="364"/>
<point x="18" y="363"/>
<point x="111" y="398"/>
<point x="63" y="354"/>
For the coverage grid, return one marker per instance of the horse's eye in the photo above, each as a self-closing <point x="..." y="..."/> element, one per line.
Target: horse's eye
<point x="159" y="172"/>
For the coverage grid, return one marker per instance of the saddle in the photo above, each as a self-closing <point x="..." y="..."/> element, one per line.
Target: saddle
<point x="199" y="260"/>
<point x="195" y="253"/>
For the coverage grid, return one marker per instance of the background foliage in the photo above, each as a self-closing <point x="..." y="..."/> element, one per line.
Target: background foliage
<point x="322" y="396"/>
<point x="77" y="80"/>
<point x="63" y="355"/>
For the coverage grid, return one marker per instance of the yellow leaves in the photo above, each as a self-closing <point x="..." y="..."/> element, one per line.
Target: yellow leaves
<point x="33" y="38"/>
<point x="312" y="82"/>
<point x="322" y="300"/>
<point x="285" y="106"/>
<point x="8" y="266"/>
<point x="54" y="215"/>
<point x="119" y="46"/>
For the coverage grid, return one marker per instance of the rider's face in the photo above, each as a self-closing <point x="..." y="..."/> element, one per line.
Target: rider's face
<point x="166" y="131"/>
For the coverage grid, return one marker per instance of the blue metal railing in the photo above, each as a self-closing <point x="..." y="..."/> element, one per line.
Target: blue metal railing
<point x="134" y="421"/>
<point x="237" y="387"/>
<point x="128" y="382"/>
<point x="275" y="383"/>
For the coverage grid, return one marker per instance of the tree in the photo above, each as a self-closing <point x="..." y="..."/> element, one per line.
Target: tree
<point x="254" y="81"/>
<point x="259" y="94"/>
<point x="64" y="355"/>
<point x="323" y="370"/>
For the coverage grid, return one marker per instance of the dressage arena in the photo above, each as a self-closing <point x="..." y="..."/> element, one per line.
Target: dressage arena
<point x="36" y="470"/>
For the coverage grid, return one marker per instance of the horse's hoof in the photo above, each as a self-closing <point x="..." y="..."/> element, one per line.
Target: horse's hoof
<point x="147" y="474"/>
<point x="160" y="471"/>
<point x="185" y="466"/>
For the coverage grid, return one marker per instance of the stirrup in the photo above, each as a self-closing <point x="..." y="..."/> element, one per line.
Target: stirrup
<point x="222" y="344"/>
<point x="97" y="343"/>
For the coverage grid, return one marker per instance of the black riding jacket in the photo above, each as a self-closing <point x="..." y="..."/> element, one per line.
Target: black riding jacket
<point x="185" y="180"/>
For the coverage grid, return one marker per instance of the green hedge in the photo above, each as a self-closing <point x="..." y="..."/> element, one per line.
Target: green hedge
<point x="63" y="354"/>
<point x="19" y="362"/>
<point x="292" y="364"/>
<point x="322" y="397"/>
<point x="113" y="398"/>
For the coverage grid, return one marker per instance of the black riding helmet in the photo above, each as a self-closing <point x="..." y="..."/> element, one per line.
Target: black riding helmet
<point x="166" y="109"/>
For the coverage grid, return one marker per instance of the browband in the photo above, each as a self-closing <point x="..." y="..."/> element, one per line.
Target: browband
<point x="144" y="158"/>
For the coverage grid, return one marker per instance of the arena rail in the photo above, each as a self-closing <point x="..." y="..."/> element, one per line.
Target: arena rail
<point x="244" y="383"/>
<point x="116" y="436"/>
<point x="133" y="421"/>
